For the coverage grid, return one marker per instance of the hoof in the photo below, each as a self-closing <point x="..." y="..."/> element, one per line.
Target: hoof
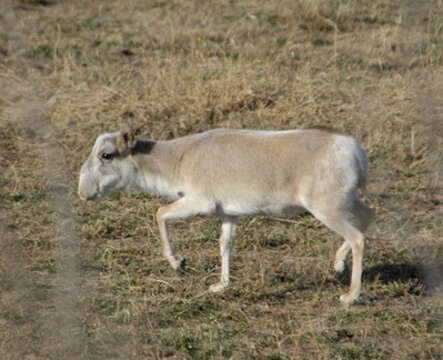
<point x="177" y="262"/>
<point x="347" y="299"/>
<point x="218" y="287"/>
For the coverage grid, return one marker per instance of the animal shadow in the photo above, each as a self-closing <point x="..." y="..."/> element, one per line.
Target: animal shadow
<point x="429" y="275"/>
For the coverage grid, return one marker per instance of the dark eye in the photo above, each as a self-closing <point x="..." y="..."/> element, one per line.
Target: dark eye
<point x="107" y="156"/>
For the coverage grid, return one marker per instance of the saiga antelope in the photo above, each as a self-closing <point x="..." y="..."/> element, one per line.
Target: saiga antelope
<point x="231" y="173"/>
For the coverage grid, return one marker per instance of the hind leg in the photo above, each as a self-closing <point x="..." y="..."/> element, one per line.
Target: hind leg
<point x="335" y="218"/>
<point x="340" y="257"/>
<point x="362" y="216"/>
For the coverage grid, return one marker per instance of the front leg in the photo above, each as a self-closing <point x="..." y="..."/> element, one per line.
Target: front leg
<point x="228" y="231"/>
<point x="181" y="209"/>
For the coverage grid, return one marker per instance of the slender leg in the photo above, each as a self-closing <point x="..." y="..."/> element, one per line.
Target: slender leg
<point x="181" y="209"/>
<point x="362" y="217"/>
<point x="228" y="232"/>
<point x="340" y="257"/>
<point x="357" y="269"/>
<point x="354" y="239"/>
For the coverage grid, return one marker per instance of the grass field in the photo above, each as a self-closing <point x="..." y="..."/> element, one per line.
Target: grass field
<point x="87" y="280"/>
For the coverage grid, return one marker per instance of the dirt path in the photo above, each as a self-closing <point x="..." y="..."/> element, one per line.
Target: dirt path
<point x="47" y="306"/>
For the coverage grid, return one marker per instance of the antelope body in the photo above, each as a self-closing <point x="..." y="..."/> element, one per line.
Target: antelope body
<point x="230" y="173"/>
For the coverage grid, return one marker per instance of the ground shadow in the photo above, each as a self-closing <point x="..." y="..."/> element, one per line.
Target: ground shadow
<point x="430" y="275"/>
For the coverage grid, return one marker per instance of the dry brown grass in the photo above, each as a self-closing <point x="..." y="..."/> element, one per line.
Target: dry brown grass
<point x="87" y="280"/>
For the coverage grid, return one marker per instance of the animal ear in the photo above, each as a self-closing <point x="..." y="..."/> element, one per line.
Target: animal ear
<point x="125" y="140"/>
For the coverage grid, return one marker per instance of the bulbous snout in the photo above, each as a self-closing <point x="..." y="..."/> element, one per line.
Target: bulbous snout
<point x="87" y="187"/>
<point x="84" y="195"/>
